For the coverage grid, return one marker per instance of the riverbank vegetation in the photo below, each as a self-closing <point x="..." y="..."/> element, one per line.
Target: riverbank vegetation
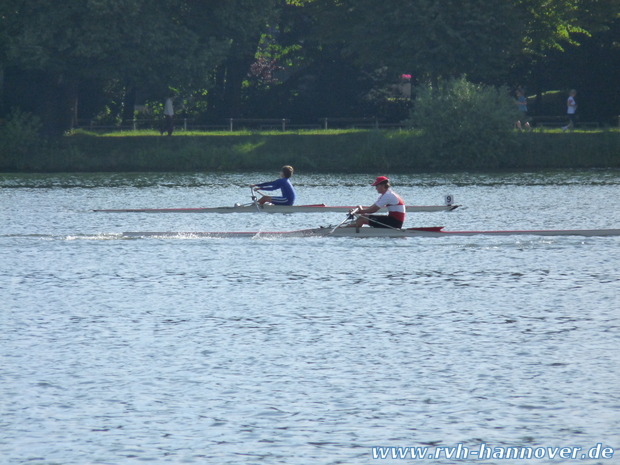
<point x="385" y="151"/>
<point x="460" y="126"/>
<point x="306" y="61"/>
<point x="299" y="60"/>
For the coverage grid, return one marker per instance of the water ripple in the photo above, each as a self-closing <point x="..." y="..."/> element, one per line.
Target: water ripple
<point x="304" y="350"/>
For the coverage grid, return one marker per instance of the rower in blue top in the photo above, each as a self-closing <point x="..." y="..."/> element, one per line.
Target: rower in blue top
<point x="285" y="186"/>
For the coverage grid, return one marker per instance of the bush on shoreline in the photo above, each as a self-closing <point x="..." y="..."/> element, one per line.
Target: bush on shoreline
<point x="19" y="139"/>
<point x="465" y="125"/>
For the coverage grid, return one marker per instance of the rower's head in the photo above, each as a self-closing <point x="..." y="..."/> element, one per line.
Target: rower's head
<point x="382" y="183"/>
<point x="287" y="171"/>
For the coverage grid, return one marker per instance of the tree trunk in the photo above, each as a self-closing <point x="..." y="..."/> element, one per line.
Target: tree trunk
<point x="237" y="67"/>
<point x="129" y="103"/>
<point x="2" y="112"/>
<point x="538" y="86"/>
<point x="70" y="104"/>
<point x="236" y="73"/>
<point x="232" y="91"/>
<point x="215" y="97"/>
<point x="59" y="108"/>
<point x="49" y="107"/>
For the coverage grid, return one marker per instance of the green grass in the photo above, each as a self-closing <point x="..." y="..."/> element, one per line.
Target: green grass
<point x="183" y="133"/>
<point x="348" y="150"/>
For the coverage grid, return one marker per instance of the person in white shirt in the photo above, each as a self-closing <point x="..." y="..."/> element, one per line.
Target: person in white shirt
<point x="388" y="198"/>
<point x="168" y="125"/>
<point x="571" y="109"/>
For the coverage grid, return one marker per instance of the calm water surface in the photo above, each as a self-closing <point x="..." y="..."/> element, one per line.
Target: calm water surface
<point x="306" y="350"/>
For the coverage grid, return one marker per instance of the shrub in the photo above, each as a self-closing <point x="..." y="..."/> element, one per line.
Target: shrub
<point x="465" y="124"/>
<point x="20" y="138"/>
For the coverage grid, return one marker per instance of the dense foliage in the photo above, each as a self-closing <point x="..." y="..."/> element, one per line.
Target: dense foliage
<point x="19" y="136"/>
<point x="79" y="60"/>
<point x="465" y="125"/>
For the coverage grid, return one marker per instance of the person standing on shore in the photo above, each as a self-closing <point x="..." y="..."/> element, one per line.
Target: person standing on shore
<point x="521" y="102"/>
<point x="571" y="110"/>
<point x="168" y="125"/>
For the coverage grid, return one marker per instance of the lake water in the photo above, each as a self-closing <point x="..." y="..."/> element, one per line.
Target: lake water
<point x="306" y="350"/>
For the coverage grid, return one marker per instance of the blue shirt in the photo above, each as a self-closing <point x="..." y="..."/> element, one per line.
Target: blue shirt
<point x="285" y="186"/>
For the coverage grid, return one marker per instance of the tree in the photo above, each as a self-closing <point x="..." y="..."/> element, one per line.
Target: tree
<point x="330" y="54"/>
<point x="427" y="38"/>
<point x="553" y="25"/>
<point x="131" y="41"/>
<point x="3" y="46"/>
<point x="242" y="23"/>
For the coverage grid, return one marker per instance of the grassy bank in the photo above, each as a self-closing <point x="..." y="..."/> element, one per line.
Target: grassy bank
<point x="346" y="151"/>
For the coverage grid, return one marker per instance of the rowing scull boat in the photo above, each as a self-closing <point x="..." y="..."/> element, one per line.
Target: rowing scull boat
<point x="376" y="232"/>
<point x="254" y="208"/>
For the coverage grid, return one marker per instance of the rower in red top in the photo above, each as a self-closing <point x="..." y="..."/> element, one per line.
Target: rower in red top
<point x="388" y="198"/>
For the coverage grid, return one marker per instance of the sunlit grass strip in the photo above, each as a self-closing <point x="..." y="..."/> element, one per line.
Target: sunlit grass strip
<point x="198" y="133"/>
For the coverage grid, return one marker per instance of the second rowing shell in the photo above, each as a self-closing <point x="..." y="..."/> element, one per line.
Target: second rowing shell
<point x="252" y="208"/>
<point x="374" y="232"/>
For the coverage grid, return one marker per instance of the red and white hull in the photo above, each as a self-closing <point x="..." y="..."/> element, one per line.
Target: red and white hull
<point x="376" y="232"/>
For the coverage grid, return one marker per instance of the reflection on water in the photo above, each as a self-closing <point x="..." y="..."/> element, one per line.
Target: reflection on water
<point x="594" y="177"/>
<point x="301" y="350"/>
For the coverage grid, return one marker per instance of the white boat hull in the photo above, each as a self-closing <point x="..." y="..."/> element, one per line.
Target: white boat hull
<point x="375" y="232"/>
<point x="274" y="209"/>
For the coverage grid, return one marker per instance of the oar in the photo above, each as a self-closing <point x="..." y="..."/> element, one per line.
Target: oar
<point x="349" y="216"/>
<point x="254" y="199"/>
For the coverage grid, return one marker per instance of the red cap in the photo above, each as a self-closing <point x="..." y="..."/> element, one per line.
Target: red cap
<point x="379" y="180"/>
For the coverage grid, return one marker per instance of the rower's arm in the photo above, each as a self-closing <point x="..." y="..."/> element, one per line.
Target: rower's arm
<point x="366" y="210"/>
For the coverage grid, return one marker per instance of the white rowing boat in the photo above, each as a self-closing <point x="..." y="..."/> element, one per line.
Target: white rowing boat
<point x="256" y="208"/>
<point x="375" y="232"/>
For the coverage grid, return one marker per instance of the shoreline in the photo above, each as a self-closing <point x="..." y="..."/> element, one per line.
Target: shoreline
<point x="332" y="151"/>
